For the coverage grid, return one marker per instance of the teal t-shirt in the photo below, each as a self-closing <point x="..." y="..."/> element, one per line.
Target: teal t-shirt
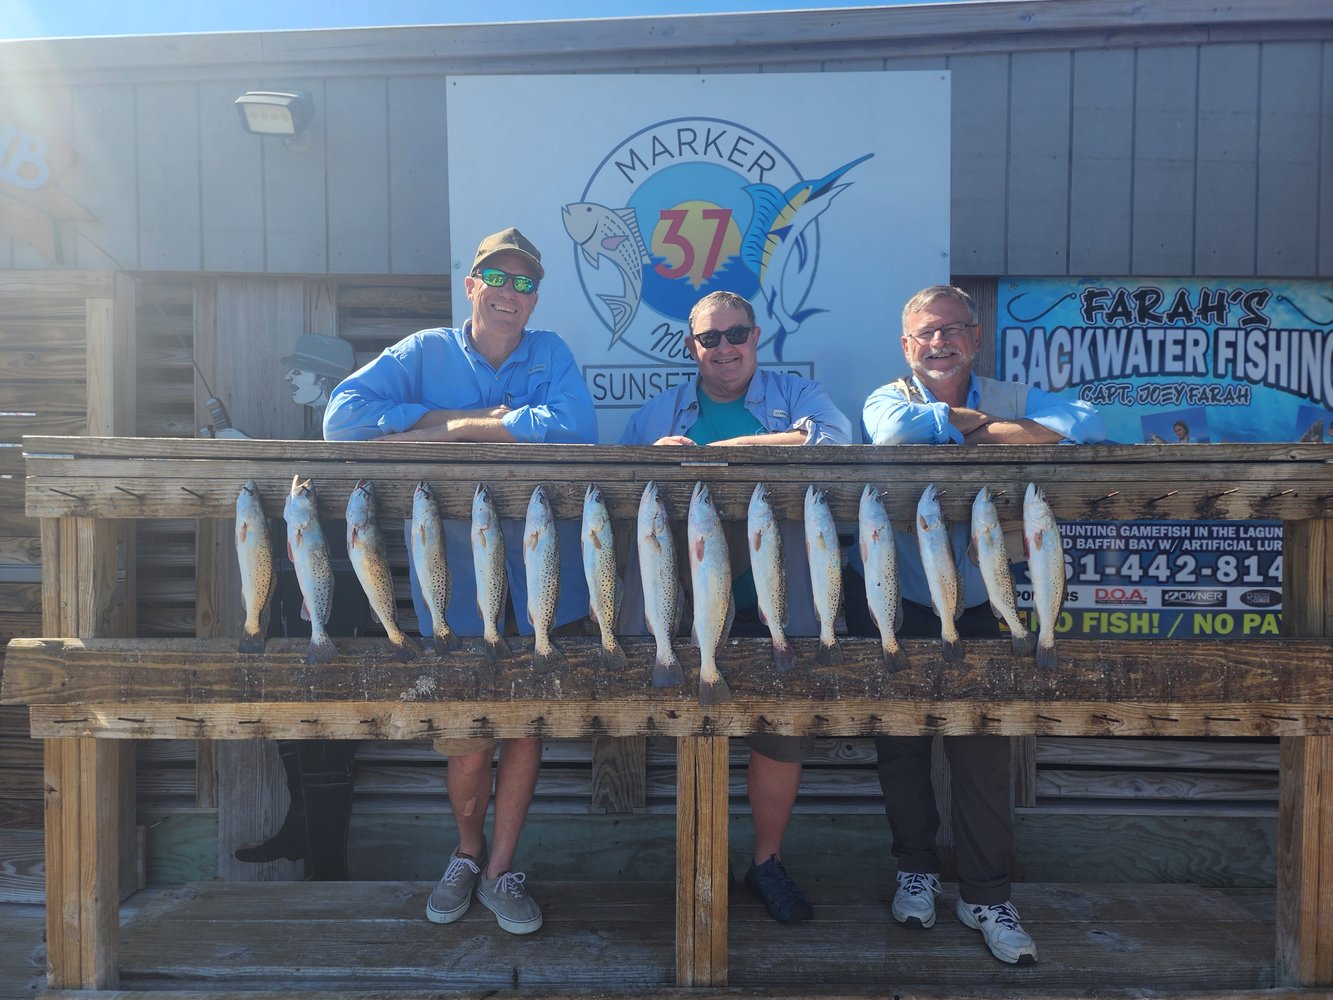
<point x="720" y="422"/>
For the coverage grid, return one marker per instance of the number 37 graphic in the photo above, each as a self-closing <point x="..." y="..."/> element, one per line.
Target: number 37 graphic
<point x="675" y="236"/>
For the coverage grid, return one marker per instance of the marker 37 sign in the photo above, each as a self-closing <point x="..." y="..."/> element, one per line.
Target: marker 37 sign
<point x="690" y="206"/>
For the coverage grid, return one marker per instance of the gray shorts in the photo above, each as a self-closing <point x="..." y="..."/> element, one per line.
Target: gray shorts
<point x="784" y="749"/>
<point x="458" y="746"/>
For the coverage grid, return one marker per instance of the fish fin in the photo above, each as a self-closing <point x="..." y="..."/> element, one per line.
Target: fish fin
<point x="952" y="650"/>
<point x="784" y="657"/>
<point x="667" y="673"/>
<point x="592" y="612"/>
<point x="305" y="610"/>
<point x="375" y="618"/>
<point x="631" y="219"/>
<point x="320" y="651"/>
<point x="618" y="596"/>
<point x="291" y="557"/>
<point x="544" y="663"/>
<point x="1046" y="655"/>
<point x="242" y="531"/>
<point x="614" y="657"/>
<point x="714" y="693"/>
<point x="958" y="611"/>
<point x="251" y="643"/>
<point x="497" y="649"/>
<point x="446" y="643"/>
<point x="895" y="659"/>
<point x="591" y="257"/>
<point x="622" y="309"/>
<point x="731" y="620"/>
<point x="830" y="654"/>
<point x="1023" y="644"/>
<point x="406" y="648"/>
<point x="768" y="201"/>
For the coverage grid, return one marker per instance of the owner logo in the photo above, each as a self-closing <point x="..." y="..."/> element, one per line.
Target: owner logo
<point x="1261" y="598"/>
<point x="1194" y="598"/>
<point x="696" y="205"/>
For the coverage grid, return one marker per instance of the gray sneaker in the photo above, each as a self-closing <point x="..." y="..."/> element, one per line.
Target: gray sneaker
<point x="452" y="895"/>
<point x="514" y="909"/>
<point x="914" y="902"/>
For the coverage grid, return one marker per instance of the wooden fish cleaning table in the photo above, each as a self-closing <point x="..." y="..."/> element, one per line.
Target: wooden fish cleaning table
<point x="88" y="689"/>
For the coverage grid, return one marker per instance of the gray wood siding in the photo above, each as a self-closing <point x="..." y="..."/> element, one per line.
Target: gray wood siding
<point x="1174" y="138"/>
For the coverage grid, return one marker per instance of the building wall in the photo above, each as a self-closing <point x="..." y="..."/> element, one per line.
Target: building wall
<point x="1087" y="139"/>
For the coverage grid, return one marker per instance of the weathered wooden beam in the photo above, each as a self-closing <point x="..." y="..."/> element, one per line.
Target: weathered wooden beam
<point x="701" y="861"/>
<point x="696" y="993"/>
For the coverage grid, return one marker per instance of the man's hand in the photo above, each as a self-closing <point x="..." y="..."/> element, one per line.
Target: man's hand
<point x="457" y="425"/>
<point x="673" y="439"/>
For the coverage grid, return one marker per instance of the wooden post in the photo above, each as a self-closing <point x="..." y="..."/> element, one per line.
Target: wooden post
<point x="701" y="861"/>
<point x="1305" y="798"/>
<point x="619" y="774"/>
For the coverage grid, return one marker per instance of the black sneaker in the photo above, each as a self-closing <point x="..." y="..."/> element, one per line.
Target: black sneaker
<point x="782" y="897"/>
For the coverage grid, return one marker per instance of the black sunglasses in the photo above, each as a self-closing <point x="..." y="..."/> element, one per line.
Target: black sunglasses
<point x="497" y="278"/>
<point x="709" y="339"/>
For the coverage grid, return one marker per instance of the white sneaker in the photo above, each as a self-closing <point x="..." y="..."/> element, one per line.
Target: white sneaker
<point x="1004" y="935"/>
<point x="914" y="902"/>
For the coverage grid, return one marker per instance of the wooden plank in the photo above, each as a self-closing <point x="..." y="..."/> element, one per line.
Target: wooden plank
<point x="701" y="862"/>
<point x="357" y="141"/>
<point x="1037" y="234"/>
<point x="230" y="181"/>
<point x="1249" y="755"/>
<point x="1164" y="137"/>
<point x="418" y="182"/>
<point x="1101" y="167"/>
<point x="1227" y="159"/>
<point x="1288" y="159"/>
<point x="618" y="774"/>
<point x="61" y="286"/>
<point x="1192" y="785"/>
<point x="296" y="230"/>
<point x="978" y="159"/>
<point x="22" y="868"/>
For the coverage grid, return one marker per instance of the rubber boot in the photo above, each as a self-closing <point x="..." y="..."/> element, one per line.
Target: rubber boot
<point x="290" y="840"/>
<point x="326" y="779"/>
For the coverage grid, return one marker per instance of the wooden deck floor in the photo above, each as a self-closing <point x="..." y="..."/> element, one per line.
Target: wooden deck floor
<point x="600" y="936"/>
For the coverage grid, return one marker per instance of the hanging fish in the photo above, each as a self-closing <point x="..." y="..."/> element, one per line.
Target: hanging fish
<point x="254" y="553"/>
<point x="825" y="557"/>
<point x="764" y="541"/>
<point x="879" y="558"/>
<point x="599" y="570"/>
<point x="1046" y="568"/>
<point x="370" y="560"/>
<point x="932" y="535"/>
<point x="488" y="564"/>
<point x="427" y="549"/>
<point x="541" y="563"/>
<point x="993" y="561"/>
<point x="309" y="554"/>
<point x="710" y="579"/>
<point x="661" y="585"/>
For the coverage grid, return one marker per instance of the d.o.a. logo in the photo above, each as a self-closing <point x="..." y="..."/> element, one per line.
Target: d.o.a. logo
<point x="691" y="206"/>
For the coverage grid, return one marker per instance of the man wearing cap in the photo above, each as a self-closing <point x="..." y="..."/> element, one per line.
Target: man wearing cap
<point x="492" y="380"/>
<point x="316" y="366"/>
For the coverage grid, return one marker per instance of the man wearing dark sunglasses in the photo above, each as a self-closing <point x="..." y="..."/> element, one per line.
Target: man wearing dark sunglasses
<point x="493" y="379"/>
<point x="945" y="403"/>
<point x="732" y="401"/>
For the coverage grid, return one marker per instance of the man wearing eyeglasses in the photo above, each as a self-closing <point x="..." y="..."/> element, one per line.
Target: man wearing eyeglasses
<point x="944" y="402"/>
<point x="492" y="380"/>
<point x="732" y="401"/>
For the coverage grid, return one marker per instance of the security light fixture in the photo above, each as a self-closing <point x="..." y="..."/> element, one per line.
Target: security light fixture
<point x="268" y="112"/>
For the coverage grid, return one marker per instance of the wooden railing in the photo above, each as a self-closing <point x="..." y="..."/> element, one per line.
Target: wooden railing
<point x="88" y="688"/>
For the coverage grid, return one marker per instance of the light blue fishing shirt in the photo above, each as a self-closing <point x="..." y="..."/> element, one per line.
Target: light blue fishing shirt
<point x="889" y="417"/>
<point x="440" y="370"/>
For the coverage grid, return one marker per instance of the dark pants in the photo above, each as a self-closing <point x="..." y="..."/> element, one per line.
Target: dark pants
<point x="978" y="765"/>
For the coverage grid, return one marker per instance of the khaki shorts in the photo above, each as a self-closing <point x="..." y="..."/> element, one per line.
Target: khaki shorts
<point x="784" y="749"/>
<point x="459" y="746"/>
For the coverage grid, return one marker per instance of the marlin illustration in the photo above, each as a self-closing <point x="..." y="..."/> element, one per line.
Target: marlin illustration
<point x="614" y="233"/>
<point x="776" y="241"/>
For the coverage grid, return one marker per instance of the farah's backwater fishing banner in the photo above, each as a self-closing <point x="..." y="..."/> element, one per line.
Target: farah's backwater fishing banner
<point x="1173" y="363"/>
<point x="822" y="198"/>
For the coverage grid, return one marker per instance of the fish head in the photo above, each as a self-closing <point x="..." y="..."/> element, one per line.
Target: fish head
<point x="1033" y="497"/>
<point x="539" y="506"/>
<point x="247" y="502"/>
<point x="583" y="220"/>
<point x="928" y="509"/>
<point x="483" y="507"/>
<point x="423" y="491"/>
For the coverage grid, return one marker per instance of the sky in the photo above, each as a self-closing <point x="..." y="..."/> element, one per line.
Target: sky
<point x="69" y="18"/>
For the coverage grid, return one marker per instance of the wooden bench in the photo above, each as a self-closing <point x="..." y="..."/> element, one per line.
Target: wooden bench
<point x="88" y="689"/>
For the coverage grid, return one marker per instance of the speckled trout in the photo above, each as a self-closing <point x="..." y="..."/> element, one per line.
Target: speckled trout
<point x="254" y="553"/>
<point x="993" y="561"/>
<point x="825" y="557"/>
<point x="427" y="549"/>
<point x="932" y="535"/>
<point x="879" y="557"/>
<point x="764" y="542"/>
<point x="1046" y="568"/>
<point x="310" y="555"/>
<point x="488" y="565"/>
<point x="370" y="560"/>
<point x="661" y="583"/>
<point x="598" y="546"/>
<point x="710" y="580"/>
<point x="541" y="565"/>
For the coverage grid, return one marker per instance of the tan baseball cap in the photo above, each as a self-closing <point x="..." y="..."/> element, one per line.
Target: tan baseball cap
<point x="509" y="241"/>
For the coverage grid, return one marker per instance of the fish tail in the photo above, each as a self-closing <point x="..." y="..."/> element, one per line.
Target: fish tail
<point x="895" y="658"/>
<point x="546" y="660"/>
<point x="829" y="653"/>
<point x="405" y="648"/>
<point x="1023" y="642"/>
<point x="784" y="657"/>
<point x="951" y="649"/>
<point x="715" y="691"/>
<point x="322" y="650"/>
<point x="613" y="655"/>
<point x="251" y="643"/>
<point x="1046" y="654"/>
<point x="496" y="648"/>
<point x="445" y="641"/>
<point x="667" y="672"/>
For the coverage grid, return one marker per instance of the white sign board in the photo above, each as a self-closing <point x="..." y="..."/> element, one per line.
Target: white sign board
<point x="823" y="198"/>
